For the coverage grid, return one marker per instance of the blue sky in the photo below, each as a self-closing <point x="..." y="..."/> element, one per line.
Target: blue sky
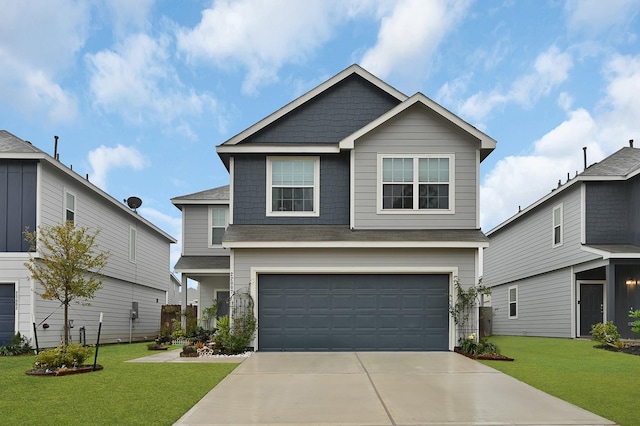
<point x="140" y="92"/>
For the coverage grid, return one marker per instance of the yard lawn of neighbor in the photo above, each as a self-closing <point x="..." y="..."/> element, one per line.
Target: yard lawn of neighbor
<point x="122" y="393"/>
<point x="600" y="381"/>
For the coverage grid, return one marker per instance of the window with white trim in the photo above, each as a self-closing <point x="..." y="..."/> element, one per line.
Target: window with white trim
<point x="557" y="226"/>
<point x="293" y="186"/>
<point x="133" y="236"/>
<point x="417" y="183"/>
<point x="69" y="207"/>
<point x="217" y="224"/>
<point x="513" y="301"/>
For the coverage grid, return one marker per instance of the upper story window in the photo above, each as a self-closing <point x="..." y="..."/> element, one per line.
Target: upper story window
<point x="69" y="207"/>
<point x="133" y="235"/>
<point x="557" y="226"/>
<point x="513" y="302"/>
<point x="293" y="186"/>
<point x="417" y="183"/>
<point x="217" y="224"/>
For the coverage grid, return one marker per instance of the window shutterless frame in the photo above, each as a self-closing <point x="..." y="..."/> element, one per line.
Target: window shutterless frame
<point x="293" y="186"/>
<point x="416" y="184"/>
<point x="558" y="226"/>
<point x="69" y="214"/>
<point x="217" y="224"/>
<point x="512" y="297"/>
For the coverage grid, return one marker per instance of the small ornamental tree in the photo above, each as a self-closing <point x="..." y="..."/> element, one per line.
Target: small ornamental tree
<point x="68" y="265"/>
<point x="463" y="307"/>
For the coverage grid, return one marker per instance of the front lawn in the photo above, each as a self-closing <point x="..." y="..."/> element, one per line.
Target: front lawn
<point x="603" y="382"/>
<point x="122" y="393"/>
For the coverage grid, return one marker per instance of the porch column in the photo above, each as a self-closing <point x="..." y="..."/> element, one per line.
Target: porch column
<point x="610" y="292"/>
<point x="183" y="316"/>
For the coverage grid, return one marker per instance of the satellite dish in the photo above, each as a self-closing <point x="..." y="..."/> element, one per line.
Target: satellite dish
<point x="134" y="202"/>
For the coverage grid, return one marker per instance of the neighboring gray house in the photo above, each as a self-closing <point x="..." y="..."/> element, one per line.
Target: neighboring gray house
<point x="572" y="259"/>
<point x="37" y="190"/>
<point x="351" y="211"/>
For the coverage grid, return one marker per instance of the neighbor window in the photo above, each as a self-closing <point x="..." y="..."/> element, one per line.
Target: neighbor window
<point x="421" y="183"/>
<point x="293" y="186"/>
<point x="218" y="221"/>
<point x="557" y="226"/>
<point x="513" y="302"/>
<point x="69" y="207"/>
<point x="132" y="244"/>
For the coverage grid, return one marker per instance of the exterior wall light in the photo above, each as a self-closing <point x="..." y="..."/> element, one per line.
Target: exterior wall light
<point x="631" y="282"/>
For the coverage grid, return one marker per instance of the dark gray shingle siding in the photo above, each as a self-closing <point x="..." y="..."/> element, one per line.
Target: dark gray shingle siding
<point x="250" y="192"/>
<point x="330" y="116"/>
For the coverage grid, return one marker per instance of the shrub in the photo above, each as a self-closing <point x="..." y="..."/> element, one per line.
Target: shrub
<point x="605" y="333"/>
<point x="19" y="345"/>
<point x="71" y="355"/>
<point x="635" y="325"/>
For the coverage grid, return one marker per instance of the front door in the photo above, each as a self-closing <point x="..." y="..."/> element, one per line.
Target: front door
<point x="591" y="306"/>
<point x="7" y="313"/>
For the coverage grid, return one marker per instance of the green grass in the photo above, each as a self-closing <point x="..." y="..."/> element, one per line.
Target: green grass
<point x="603" y="382"/>
<point x="122" y="393"/>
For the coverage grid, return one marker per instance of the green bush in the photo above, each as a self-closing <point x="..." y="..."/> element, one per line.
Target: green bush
<point x="635" y="325"/>
<point x="605" y="333"/>
<point x="71" y="355"/>
<point x="19" y="345"/>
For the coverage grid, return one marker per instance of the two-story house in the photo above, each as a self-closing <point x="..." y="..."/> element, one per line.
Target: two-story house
<point x="351" y="212"/>
<point x="571" y="259"/>
<point x="37" y="190"/>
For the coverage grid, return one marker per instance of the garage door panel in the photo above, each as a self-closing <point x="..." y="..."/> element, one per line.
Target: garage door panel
<point x="352" y="312"/>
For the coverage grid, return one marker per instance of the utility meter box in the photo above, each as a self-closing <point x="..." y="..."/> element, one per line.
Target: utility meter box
<point x="134" y="310"/>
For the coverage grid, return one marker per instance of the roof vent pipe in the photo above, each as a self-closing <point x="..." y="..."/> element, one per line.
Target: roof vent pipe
<point x="584" y="149"/>
<point x="631" y="143"/>
<point x="55" y="148"/>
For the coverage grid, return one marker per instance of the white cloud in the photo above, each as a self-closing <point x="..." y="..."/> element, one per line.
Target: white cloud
<point x="103" y="159"/>
<point x="38" y="42"/>
<point x="594" y="17"/>
<point x="550" y="69"/>
<point x="128" y="14"/>
<point x="521" y="180"/>
<point x="410" y="34"/>
<point x="260" y="36"/>
<point x="137" y="81"/>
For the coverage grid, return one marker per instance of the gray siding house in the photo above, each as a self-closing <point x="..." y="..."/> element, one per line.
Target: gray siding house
<point x="351" y="211"/>
<point x="37" y="190"/>
<point x="572" y="259"/>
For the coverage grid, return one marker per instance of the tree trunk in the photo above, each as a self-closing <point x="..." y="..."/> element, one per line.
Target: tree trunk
<point x="66" y="319"/>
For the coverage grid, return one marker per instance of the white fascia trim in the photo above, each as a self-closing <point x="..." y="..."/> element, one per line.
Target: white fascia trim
<point x="18" y="255"/>
<point x="353" y="69"/>
<point x="608" y="255"/>
<point x="203" y="271"/>
<point x="486" y="142"/>
<point x="232" y="168"/>
<point x="355" y="244"/>
<point x="200" y="202"/>
<point x="278" y="149"/>
<point x="352" y="189"/>
<point x="583" y="214"/>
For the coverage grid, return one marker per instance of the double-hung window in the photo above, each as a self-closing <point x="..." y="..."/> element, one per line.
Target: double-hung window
<point x="218" y="224"/>
<point x="417" y="183"/>
<point x="293" y="186"/>
<point x="69" y="207"/>
<point x="513" y="302"/>
<point x="557" y="226"/>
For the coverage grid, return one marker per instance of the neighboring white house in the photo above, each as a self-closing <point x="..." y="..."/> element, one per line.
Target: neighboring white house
<point x="38" y="190"/>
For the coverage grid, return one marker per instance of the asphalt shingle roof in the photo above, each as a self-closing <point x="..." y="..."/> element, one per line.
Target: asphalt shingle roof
<point x="220" y="193"/>
<point x="620" y="163"/>
<point x="202" y="263"/>
<point x="12" y="143"/>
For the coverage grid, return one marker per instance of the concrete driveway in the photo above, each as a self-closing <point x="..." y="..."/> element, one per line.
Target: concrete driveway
<point x="374" y="388"/>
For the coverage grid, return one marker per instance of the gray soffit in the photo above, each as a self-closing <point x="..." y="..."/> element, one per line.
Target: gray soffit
<point x="202" y="263"/>
<point x="342" y="233"/>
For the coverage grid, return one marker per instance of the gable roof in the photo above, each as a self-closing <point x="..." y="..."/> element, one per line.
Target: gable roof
<point x="12" y="147"/>
<point x="487" y="144"/>
<point x="219" y="195"/>
<point x="333" y="81"/>
<point x="623" y="164"/>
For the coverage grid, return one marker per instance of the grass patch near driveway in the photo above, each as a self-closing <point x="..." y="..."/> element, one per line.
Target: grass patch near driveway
<point x="122" y="393"/>
<point x="600" y="381"/>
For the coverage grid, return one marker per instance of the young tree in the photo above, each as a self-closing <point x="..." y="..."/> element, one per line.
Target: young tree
<point x="68" y="266"/>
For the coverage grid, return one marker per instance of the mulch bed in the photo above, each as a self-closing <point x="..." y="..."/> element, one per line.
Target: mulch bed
<point x="484" y="357"/>
<point x="631" y="349"/>
<point x="64" y="371"/>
